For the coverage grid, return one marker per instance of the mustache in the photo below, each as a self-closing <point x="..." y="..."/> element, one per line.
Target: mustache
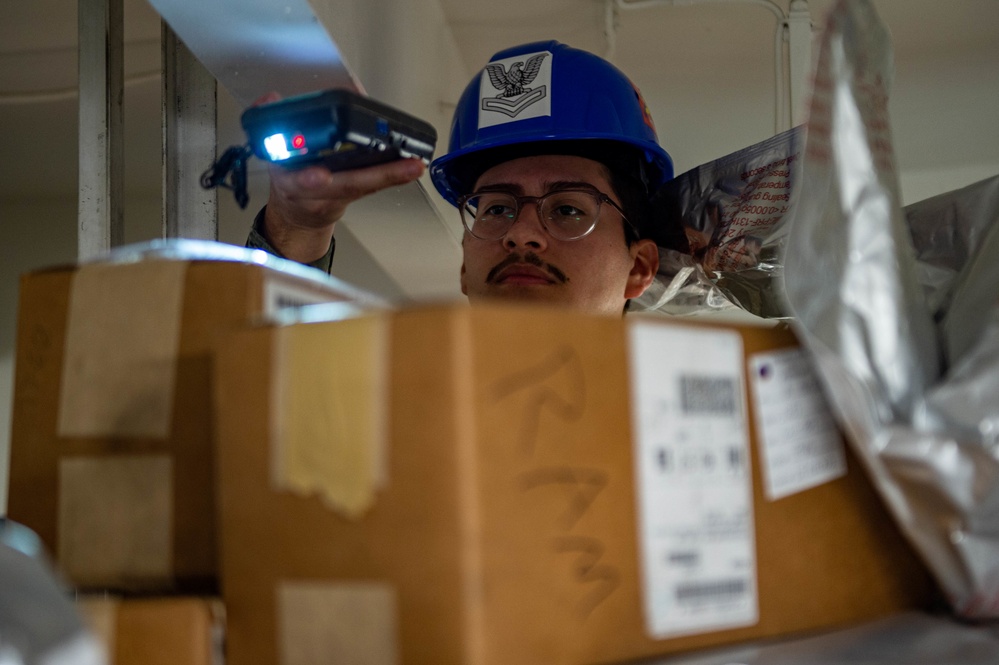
<point x="529" y="258"/>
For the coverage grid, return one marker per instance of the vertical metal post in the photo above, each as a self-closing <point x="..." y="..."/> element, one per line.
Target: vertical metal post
<point x="799" y="38"/>
<point x="99" y="212"/>
<point x="189" y="143"/>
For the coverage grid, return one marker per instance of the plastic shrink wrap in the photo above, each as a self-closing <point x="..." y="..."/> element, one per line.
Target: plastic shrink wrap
<point x="39" y="624"/>
<point x="900" y="306"/>
<point x="910" y="638"/>
<point x="734" y="213"/>
<point x="900" y="310"/>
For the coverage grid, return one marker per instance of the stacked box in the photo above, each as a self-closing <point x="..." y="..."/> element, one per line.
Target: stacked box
<point x="157" y="631"/>
<point x="505" y="484"/>
<point x="111" y="444"/>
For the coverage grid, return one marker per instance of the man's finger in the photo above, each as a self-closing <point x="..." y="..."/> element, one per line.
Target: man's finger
<point x="355" y="183"/>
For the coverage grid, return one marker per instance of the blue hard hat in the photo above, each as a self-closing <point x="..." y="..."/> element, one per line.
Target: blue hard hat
<point x="547" y="98"/>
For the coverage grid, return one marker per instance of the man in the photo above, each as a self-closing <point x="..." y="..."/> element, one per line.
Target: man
<point x="552" y="161"/>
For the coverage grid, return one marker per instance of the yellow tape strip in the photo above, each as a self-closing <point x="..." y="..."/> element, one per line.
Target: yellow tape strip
<point x="329" y="411"/>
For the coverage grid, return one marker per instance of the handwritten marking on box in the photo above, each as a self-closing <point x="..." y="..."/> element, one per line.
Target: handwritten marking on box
<point x="693" y="479"/>
<point x="800" y="445"/>
<point x="554" y="391"/>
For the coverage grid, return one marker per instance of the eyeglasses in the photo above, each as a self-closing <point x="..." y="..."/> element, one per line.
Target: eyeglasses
<point x="566" y="214"/>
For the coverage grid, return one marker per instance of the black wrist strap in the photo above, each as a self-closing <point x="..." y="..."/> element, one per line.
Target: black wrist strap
<point x="229" y="172"/>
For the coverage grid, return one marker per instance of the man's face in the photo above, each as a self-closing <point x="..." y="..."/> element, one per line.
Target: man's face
<point x="597" y="273"/>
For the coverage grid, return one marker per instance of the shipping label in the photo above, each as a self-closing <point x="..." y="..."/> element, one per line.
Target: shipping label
<point x="800" y="446"/>
<point x="281" y="293"/>
<point x="693" y="479"/>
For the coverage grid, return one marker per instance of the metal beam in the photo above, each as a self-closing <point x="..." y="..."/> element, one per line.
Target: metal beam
<point x="257" y="46"/>
<point x="189" y="142"/>
<point x="99" y="213"/>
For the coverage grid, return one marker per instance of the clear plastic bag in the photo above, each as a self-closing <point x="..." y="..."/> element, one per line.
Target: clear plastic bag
<point x="734" y="213"/>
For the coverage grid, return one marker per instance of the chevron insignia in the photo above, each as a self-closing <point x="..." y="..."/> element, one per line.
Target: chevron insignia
<point x="515" y="88"/>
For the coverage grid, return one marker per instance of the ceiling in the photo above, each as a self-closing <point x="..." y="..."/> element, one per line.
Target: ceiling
<point x="38" y="55"/>
<point x="928" y="27"/>
<point x="701" y="49"/>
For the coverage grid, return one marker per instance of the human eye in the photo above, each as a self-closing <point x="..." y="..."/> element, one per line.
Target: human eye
<point x="496" y="210"/>
<point x="494" y="206"/>
<point x="571" y="207"/>
<point x="567" y="210"/>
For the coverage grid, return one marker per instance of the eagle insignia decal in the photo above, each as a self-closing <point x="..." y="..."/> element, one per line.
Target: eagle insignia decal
<point x="513" y="84"/>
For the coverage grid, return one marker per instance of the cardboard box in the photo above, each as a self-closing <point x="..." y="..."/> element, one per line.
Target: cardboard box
<point x="466" y="485"/>
<point x="111" y="457"/>
<point x="157" y="631"/>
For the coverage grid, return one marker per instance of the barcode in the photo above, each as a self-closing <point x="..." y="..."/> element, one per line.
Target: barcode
<point x="710" y="591"/>
<point x="707" y="394"/>
<point x="684" y="558"/>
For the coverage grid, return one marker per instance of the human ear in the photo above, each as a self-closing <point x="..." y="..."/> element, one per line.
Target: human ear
<point x="464" y="285"/>
<point x="645" y="257"/>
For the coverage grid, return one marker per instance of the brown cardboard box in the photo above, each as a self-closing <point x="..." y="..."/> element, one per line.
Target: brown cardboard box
<point x="495" y="520"/>
<point x="157" y="631"/>
<point x="111" y="446"/>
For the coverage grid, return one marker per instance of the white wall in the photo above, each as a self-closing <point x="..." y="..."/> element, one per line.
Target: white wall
<point x="943" y="122"/>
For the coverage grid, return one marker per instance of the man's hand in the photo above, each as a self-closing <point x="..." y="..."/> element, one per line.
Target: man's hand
<point x="305" y="204"/>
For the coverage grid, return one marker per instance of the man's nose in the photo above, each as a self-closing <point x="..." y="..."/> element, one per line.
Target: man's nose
<point x="527" y="230"/>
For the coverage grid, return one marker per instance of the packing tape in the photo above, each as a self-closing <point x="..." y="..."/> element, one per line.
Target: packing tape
<point x="337" y="622"/>
<point x="116" y="520"/>
<point x="329" y="411"/>
<point x="121" y="345"/>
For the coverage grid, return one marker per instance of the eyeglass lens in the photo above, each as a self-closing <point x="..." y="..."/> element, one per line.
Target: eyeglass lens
<point x="567" y="215"/>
